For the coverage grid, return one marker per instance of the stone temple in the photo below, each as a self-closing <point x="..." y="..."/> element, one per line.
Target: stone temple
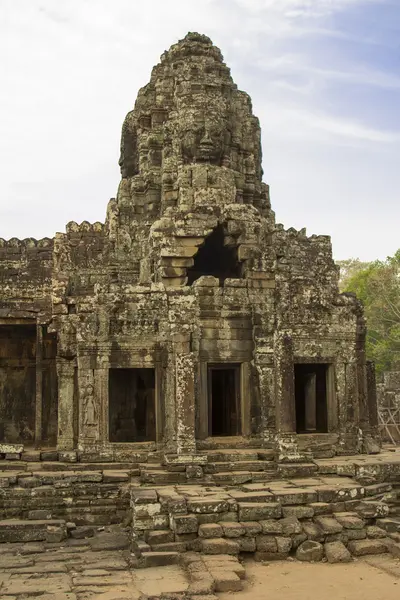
<point x="189" y="320"/>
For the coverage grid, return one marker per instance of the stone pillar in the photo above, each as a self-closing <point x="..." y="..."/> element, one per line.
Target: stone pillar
<point x="372" y="442"/>
<point x="310" y="390"/>
<point x="67" y="418"/>
<point x="286" y="438"/>
<point x="39" y="385"/>
<point x="285" y="401"/>
<point x="185" y="407"/>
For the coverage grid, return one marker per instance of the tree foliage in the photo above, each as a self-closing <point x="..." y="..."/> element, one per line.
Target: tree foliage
<point x="377" y="285"/>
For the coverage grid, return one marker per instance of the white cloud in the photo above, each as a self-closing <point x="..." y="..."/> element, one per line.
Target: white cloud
<point x="73" y="69"/>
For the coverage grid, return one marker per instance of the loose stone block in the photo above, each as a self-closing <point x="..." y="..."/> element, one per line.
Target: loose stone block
<point x="247" y="544"/>
<point x="290" y="525"/>
<point x="159" y="537"/>
<point x="353" y="534"/>
<point x="184" y="523"/>
<point x="205" y="505"/>
<point x="349" y="520"/>
<point x="336" y="552"/>
<point x="226" y="581"/>
<point x="313" y="531"/>
<point x="266" y="543"/>
<point x="146" y="511"/>
<point x="233" y="530"/>
<point x="210" y="530"/>
<point x="284" y="544"/>
<point x="253" y="511"/>
<point x="296" y="496"/>
<point x="300" y="512"/>
<point x="219" y="546"/>
<point x="143" y="496"/>
<point x="375" y="532"/>
<point x="366" y="547"/>
<point x="252" y="528"/>
<point x="328" y="524"/>
<point x="310" y="551"/>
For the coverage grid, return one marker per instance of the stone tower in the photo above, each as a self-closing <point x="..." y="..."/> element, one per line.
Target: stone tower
<point x="190" y="319"/>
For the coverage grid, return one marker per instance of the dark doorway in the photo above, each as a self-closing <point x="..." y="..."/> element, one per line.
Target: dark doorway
<point x="132" y="405"/>
<point x="224" y="400"/>
<point x="311" y="398"/>
<point x="17" y="383"/>
<point x="216" y="259"/>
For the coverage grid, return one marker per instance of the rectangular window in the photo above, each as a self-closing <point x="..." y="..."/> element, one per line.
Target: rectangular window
<point x="132" y="405"/>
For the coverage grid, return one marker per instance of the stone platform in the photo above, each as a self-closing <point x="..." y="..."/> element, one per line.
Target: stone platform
<point x="275" y="510"/>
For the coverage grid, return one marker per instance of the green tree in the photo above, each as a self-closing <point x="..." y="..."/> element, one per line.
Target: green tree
<point x="348" y="268"/>
<point x="377" y="285"/>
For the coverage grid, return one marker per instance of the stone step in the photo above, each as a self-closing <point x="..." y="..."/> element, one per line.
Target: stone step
<point x="230" y="455"/>
<point x="245" y="465"/>
<point x="158" y="559"/>
<point x="20" y="530"/>
<point x="240" y="477"/>
<point x="160" y="477"/>
<point x="389" y="524"/>
<point x="93" y="466"/>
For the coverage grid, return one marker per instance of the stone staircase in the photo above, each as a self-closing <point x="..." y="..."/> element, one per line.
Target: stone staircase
<point x="222" y="466"/>
<point x="83" y="493"/>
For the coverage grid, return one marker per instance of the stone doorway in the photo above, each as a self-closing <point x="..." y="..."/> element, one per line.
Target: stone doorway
<point x="224" y="410"/>
<point x="311" y="398"/>
<point x="132" y="410"/>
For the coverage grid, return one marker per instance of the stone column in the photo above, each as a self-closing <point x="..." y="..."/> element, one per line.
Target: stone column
<point x="372" y="442"/>
<point x="184" y="398"/>
<point x="286" y="438"/>
<point x="310" y="390"/>
<point x="67" y="419"/>
<point x="285" y="401"/>
<point x="39" y="384"/>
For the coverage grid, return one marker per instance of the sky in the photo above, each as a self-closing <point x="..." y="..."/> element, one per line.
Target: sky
<point x="324" y="77"/>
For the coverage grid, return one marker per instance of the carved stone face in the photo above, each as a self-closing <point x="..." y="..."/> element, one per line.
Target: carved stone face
<point x="203" y="140"/>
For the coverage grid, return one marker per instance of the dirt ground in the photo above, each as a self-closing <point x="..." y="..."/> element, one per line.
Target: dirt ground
<point x="377" y="578"/>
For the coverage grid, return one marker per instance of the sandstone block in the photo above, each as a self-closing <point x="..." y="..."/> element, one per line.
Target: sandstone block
<point x="354" y="534"/>
<point x="310" y="551"/>
<point x="284" y="544"/>
<point x="300" y="512"/>
<point x="226" y="581"/>
<point x="366" y="547"/>
<point x="233" y="530"/>
<point x="159" y="537"/>
<point x="252" y="528"/>
<point x="184" y="523"/>
<point x="210" y="530"/>
<point x="290" y="525"/>
<point x="253" y="511"/>
<point x="375" y="532"/>
<point x="313" y="531"/>
<point x="205" y="505"/>
<point x="266" y="543"/>
<point x="247" y="544"/>
<point x="337" y="552"/>
<point x="349" y="520"/>
<point x="328" y="524"/>
<point x="219" y="546"/>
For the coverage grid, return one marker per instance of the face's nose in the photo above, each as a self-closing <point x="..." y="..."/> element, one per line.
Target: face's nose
<point x="206" y="139"/>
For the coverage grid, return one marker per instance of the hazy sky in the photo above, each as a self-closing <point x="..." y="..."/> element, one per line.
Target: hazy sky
<point x="324" y="76"/>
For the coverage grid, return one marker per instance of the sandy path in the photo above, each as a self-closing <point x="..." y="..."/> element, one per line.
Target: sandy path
<point x="320" y="581"/>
